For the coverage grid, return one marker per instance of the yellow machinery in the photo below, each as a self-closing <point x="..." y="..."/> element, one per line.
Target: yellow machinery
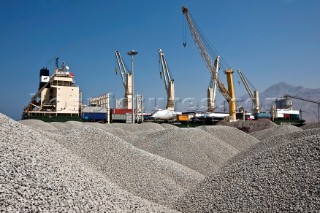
<point x="205" y="49"/>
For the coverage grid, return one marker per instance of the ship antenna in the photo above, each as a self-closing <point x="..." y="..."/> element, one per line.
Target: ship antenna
<point x="57" y="62"/>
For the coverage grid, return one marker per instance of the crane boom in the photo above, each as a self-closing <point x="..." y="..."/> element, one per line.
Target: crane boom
<point x="168" y="81"/>
<point x="204" y="49"/>
<point x="126" y="77"/>
<point x="307" y="100"/>
<point x="254" y="95"/>
<point x="213" y="87"/>
<point x="302" y="99"/>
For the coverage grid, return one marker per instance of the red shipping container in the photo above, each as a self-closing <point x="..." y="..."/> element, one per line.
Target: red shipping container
<point x="286" y="116"/>
<point x="121" y="111"/>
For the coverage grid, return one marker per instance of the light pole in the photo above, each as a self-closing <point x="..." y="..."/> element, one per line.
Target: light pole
<point x="132" y="53"/>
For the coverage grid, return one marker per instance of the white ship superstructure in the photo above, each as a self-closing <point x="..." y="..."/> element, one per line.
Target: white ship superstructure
<point x="58" y="96"/>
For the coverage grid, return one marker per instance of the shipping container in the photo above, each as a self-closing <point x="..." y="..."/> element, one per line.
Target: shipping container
<point x="94" y="109"/>
<point x="183" y="117"/>
<point x="120" y="111"/>
<point x="295" y="117"/>
<point x="262" y="115"/>
<point x="118" y="117"/>
<point x="93" y="116"/>
<point x="286" y="116"/>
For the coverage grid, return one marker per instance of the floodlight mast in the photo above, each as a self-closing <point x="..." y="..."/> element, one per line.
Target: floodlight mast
<point x="132" y="53"/>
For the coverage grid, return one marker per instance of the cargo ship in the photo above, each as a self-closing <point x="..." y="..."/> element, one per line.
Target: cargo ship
<point x="282" y="113"/>
<point x="57" y="99"/>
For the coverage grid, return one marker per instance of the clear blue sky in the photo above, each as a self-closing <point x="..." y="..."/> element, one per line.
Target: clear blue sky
<point x="269" y="40"/>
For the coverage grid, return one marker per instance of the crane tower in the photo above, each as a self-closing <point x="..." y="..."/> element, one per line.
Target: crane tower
<point x="213" y="87"/>
<point x="168" y="81"/>
<point x="126" y="77"/>
<point x="205" y="49"/>
<point x="254" y="95"/>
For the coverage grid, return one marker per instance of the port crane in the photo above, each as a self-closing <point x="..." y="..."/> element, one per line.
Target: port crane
<point x="126" y="77"/>
<point x="168" y="81"/>
<point x="306" y="100"/>
<point x="212" y="87"/>
<point x="252" y="92"/>
<point x="204" y="48"/>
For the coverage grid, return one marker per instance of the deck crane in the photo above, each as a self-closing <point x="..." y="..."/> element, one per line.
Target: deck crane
<point x="204" y="49"/>
<point x="168" y="81"/>
<point x="306" y="100"/>
<point x="253" y="93"/>
<point x="126" y="80"/>
<point x="213" y="87"/>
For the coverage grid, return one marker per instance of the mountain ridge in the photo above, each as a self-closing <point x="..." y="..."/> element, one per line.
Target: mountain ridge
<point x="309" y="110"/>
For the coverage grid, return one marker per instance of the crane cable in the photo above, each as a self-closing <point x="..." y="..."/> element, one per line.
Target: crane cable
<point x="245" y="77"/>
<point x="208" y="45"/>
<point x="184" y="34"/>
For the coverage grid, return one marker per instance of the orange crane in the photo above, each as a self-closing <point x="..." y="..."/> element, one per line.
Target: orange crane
<point x="204" y="49"/>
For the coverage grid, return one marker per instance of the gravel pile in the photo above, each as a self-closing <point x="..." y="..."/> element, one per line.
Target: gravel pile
<point x="277" y="130"/>
<point x="285" y="178"/>
<point x="191" y="147"/>
<point x="169" y="126"/>
<point x="138" y="127"/>
<point x="249" y="126"/>
<point x="92" y="167"/>
<point x="311" y="125"/>
<point x="67" y="125"/>
<point x="39" y="175"/>
<point x="234" y="137"/>
<point x="272" y="141"/>
<point x="38" y="124"/>
<point x="121" y="133"/>
<point x="144" y="174"/>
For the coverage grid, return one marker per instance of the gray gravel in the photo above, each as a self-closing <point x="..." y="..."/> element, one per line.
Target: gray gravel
<point x="118" y="132"/>
<point x="93" y="167"/>
<point x="283" y="178"/>
<point x="249" y="126"/>
<point x="311" y="125"/>
<point x="38" y="124"/>
<point x="277" y="130"/>
<point x="67" y="125"/>
<point x="272" y="141"/>
<point x="192" y="147"/>
<point x="144" y="174"/>
<point x="137" y="127"/>
<point x="169" y="126"/>
<point x="232" y="136"/>
<point x="39" y="175"/>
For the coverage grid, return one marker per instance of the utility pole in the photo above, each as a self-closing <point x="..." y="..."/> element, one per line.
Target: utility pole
<point x="132" y="53"/>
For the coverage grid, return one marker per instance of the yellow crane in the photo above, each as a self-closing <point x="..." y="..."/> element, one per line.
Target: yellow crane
<point x="204" y="49"/>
